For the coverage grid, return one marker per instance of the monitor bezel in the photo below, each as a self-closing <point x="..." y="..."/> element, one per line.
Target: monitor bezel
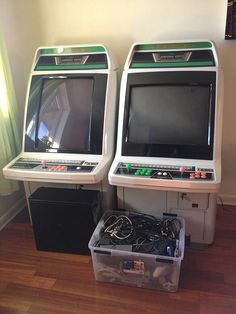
<point x="194" y="78"/>
<point x="98" y="104"/>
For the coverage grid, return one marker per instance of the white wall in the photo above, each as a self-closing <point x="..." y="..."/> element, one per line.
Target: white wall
<point x="228" y="190"/>
<point x="119" y="23"/>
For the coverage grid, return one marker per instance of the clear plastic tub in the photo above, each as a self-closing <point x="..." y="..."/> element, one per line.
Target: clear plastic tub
<point x="120" y="265"/>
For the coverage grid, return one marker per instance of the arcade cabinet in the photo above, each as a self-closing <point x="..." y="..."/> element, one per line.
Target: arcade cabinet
<point x="168" y="156"/>
<point x="69" y="125"/>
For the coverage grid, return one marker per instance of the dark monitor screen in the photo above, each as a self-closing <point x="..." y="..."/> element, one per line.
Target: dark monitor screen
<point x="169" y="114"/>
<point x="65" y="114"/>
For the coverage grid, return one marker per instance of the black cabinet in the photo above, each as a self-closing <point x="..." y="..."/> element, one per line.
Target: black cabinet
<point x="64" y="219"/>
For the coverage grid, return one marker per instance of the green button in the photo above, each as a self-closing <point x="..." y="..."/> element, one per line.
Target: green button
<point x="142" y="171"/>
<point x="128" y="167"/>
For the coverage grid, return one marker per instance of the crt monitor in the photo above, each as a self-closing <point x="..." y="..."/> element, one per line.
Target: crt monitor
<point x="66" y="113"/>
<point x="169" y="115"/>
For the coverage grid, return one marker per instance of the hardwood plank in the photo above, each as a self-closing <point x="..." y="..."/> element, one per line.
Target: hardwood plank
<point x="28" y="280"/>
<point x="4" y="310"/>
<point x="36" y="282"/>
<point x="214" y="309"/>
<point x="11" y="302"/>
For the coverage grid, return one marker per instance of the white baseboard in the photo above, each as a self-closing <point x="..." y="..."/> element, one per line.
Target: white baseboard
<point x="228" y="199"/>
<point x="12" y="212"/>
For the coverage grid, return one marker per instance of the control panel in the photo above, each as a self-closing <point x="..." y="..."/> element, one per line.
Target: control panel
<point x="54" y="165"/>
<point x="165" y="172"/>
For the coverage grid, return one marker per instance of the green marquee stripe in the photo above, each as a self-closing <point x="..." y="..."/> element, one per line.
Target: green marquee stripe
<point x="193" y="45"/>
<point x="172" y="64"/>
<point x="70" y="67"/>
<point x="61" y="50"/>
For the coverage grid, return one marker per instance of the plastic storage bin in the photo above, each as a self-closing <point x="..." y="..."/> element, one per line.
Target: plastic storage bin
<point x="123" y="266"/>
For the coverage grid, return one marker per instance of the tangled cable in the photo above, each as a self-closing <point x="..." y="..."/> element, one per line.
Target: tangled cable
<point x="145" y="233"/>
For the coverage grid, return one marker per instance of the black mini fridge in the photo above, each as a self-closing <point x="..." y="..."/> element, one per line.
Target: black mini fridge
<point x="64" y="219"/>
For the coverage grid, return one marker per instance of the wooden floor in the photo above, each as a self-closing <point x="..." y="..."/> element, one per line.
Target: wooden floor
<point x="40" y="282"/>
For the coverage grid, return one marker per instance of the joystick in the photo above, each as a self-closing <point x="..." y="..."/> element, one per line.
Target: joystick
<point x="43" y="163"/>
<point x="128" y="167"/>
<point x="182" y="170"/>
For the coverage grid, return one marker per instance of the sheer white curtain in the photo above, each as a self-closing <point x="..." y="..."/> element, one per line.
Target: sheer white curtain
<point x="9" y="131"/>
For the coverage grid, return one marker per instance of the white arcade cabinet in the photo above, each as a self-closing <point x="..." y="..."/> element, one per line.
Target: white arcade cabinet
<point x="168" y="156"/>
<point x="70" y="117"/>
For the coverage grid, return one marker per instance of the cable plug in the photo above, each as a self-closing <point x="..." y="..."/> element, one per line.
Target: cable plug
<point x="176" y="251"/>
